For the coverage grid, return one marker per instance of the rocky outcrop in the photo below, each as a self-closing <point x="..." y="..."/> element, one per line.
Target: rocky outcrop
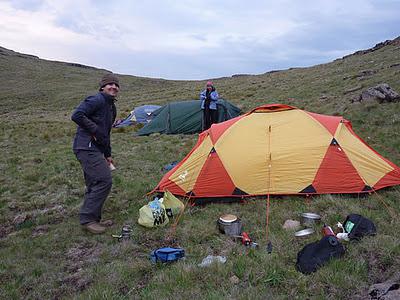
<point x="395" y="42"/>
<point x="381" y="93"/>
<point x="387" y="290"/>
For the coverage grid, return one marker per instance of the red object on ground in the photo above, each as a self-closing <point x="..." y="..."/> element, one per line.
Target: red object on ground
<point x="327" y="230"/>
<point x="246" y="239"/>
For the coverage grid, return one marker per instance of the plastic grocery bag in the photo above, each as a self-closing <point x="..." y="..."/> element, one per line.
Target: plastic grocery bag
<point x="153" y="214"/>
<point x="172" y="205"/>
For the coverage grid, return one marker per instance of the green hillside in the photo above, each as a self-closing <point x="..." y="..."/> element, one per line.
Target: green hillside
<point x="45" y="254"/>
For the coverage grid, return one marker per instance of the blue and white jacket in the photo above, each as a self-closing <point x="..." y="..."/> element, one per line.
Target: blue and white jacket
<point x="213" y="97"/>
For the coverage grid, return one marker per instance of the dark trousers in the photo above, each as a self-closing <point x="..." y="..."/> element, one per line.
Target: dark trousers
<point x="98" y="184"/>
<point x="210" y="116"/>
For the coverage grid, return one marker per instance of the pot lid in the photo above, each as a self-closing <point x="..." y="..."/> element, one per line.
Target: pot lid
<point x="228" y="218"/>
<point x="304" y="232"/>
<point x="311" y="216"/>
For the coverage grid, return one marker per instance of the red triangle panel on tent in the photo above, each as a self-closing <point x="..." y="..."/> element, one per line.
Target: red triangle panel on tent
<point x="329" y="122"/>
<point x="219" y="130"/>
<point x="213" y="178"/>
<point x="168" y="185"/>
<point x="389" y="179"/>
<point x="335" y="171"/>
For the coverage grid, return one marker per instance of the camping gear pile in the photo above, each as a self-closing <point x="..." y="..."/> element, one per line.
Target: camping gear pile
<point x="232" y="226"/>
<point x="276" y="150"/>
<point x="308" y="220"/>
<point x="316" y="254"/>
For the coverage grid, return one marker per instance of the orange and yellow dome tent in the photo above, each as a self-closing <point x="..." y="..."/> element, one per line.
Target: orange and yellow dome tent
<point x="277" y="149"/>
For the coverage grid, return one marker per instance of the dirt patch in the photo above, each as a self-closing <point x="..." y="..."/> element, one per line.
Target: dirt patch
<point x="81" y="255"/>
<point x="376" y="269"/>
<point x="56" y="214"/>
<point x="40" y="230"/>
<point x="78" y="257"/>
<point x="152" y="243"/>
<point x="78" y="280"/>
<point x="229" y="244"/>
<point x="123" y="289"/>
<point x="143" y="282"/>
<point x="55" y="208"/>
<point x="5" y="230"/>
<point x="19" y="219"/>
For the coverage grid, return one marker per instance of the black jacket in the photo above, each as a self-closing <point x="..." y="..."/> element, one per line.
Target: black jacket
<point x="94" y="116"/>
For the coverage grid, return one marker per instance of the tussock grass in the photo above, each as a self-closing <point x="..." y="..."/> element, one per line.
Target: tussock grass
<point x="47" y="255"/>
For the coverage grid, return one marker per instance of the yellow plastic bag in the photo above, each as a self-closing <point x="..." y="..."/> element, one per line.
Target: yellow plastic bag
<point x="153" y="214"/>
<point x="172" y="205"/>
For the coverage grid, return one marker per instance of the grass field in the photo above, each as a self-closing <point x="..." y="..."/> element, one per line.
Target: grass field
<point x="46" y="255"/>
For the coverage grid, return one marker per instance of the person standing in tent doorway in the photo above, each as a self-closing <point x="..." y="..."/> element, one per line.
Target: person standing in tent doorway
<point x="94" y="117"/>
<point x="209" y="98"/>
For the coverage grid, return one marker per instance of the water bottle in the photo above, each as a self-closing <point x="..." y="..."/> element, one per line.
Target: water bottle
<point x="155" y="204"/>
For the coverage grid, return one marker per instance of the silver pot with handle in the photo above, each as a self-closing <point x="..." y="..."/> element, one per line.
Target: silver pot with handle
<point x="310" y="219"/>
<point x="230" y="225"/>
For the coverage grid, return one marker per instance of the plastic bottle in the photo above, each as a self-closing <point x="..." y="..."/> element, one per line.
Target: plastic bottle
<point x="155" y="204"/>
<point x="327" y="230"/>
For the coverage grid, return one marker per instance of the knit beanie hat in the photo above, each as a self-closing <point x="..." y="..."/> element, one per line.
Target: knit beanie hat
<point x="108" y="79"/>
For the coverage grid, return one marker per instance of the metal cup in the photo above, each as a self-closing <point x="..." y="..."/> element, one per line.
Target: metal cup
<point x="126" y="232"/>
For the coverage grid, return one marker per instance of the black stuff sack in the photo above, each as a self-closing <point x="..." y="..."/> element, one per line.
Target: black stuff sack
<point x="316" y="254"/>
<point x="358" y="226"/>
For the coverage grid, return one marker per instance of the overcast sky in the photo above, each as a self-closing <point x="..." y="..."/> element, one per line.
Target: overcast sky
<point x="196" y="39"/>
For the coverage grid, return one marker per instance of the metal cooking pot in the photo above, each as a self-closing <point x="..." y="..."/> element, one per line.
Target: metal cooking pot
<point x="229" y="225"/>
<point x="310" y="219"/>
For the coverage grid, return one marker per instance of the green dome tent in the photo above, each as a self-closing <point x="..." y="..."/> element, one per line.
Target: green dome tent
<point x="185" y="117"/>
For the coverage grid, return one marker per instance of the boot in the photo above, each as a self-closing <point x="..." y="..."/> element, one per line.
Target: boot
<point x="94" y="227"/>
<point x="106" y="223"/>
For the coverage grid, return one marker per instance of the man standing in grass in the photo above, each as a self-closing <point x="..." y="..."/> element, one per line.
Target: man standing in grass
<point x="95" y="116"/>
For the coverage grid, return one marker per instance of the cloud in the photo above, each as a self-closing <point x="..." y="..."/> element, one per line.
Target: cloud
<point x="195" y="39"/>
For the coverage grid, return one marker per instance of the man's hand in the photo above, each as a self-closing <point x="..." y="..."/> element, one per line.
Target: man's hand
<point x="110" y="163"/>
<point x="99" y="138"/>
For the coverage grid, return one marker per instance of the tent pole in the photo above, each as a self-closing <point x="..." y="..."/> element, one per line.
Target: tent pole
<point x="269" y="244"/>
